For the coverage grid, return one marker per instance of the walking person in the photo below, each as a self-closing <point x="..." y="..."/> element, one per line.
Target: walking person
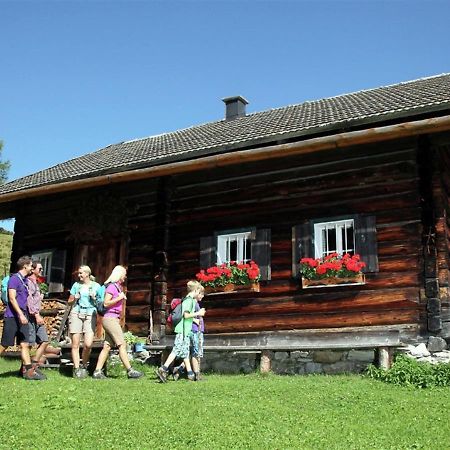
<point x="38" y="333"/>
<point x="197" y="338"/>
<point x="16" y="326"/>
<point x="183" y="332"/>
<point x="82" y="319"/>
<point x="114" y="302"/>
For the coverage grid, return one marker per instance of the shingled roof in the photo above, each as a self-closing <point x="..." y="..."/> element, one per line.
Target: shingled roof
<point x="397" y="101"/>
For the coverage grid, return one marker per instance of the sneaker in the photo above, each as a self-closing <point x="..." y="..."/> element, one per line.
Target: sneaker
<point x="177" y="371"/>
<point x="31" y="374"/>
<point x="191" y="376"/>
<point x="132" y="373"/>
<point x="99" y="375"/>
<point x="161" y="374"/>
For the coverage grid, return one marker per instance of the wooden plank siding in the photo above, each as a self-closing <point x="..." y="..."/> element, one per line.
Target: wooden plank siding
<point x="378" y="179"/>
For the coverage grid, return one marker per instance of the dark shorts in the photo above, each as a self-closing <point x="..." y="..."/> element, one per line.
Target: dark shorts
<point x="12" y="330"/>
<point x="38" y="333"/>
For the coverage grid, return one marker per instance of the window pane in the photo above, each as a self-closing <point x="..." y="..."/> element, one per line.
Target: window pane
<point x="233" y="251"/>
<point x="350" y="240"/>
<point x="331" y="247"/>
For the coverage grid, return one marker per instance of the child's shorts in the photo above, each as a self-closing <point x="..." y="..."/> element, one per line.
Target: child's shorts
<point x="181" y="346"/>
<point x="197" y="345"/>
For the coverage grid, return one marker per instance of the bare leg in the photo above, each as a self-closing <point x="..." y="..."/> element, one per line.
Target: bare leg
<point x="123" y="355"/>
<point x="40" y="351"/>
<point x="170" y="359"/>
<point x="187" y="363"/>
<point x="87" y="347"/>
<point x="103" y="356"/>
<point x="195" y="364"/>
<point x="76" y="350"/>
<point x="25" y="353"/>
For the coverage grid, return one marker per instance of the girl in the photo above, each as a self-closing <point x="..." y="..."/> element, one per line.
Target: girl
<point x="114" y="299"/>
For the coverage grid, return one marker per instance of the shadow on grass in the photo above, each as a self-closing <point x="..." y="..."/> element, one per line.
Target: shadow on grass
<point x="10" y="374"/>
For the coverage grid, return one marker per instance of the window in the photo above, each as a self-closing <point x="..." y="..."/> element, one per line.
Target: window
<point x="234" y="247"/>
<point x="46" y="260"/>
<point x="53" y="264"/>
<point x="238" y="245"/>
<point x="334" y="237"/>
<point x="320" y="237"/>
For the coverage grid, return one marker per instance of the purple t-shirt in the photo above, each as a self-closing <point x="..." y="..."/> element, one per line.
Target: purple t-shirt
<point x="20" y="284"/>
<point x="115" y="310"/>
<point x="195" y="327"/>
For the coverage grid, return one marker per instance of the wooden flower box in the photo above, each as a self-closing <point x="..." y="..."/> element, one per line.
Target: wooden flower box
<point x="358" y="279"/>
<point x="232" y="288"/>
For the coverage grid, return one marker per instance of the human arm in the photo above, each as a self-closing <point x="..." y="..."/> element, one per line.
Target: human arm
<point x="110" y="301"/>
<point x="74" y="294"/>
<point x="15" y="306"/>
<point x="200" y="313"/>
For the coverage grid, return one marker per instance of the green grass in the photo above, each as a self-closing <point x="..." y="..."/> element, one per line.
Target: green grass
<point x="253" y="411"/>
<point x="5" y="252"/>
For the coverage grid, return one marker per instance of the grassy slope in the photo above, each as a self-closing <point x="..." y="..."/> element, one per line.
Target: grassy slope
<point x="298" y="412"/>
<point x="5" y="253"/>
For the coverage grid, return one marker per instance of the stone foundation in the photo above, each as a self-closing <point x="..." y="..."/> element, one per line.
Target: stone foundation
<point x="290" y="362"/>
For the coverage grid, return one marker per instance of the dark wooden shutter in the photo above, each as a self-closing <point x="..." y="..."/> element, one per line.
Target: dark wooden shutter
<point x="208" y="250"/>
<point x="366" y="241"/>
<point x="302" y="245"/>
<point x="261" y="252"/>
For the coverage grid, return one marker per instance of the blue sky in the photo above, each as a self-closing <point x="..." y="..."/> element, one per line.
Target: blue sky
<point x="77" y="76"/>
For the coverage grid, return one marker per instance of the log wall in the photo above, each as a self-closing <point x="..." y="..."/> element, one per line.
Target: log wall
<point x="377" y="179"/>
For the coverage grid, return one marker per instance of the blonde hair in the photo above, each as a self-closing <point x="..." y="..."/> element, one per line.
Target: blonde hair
<point x="116" y="275"/>
<point x="87" y="269"/>
<point x="194" y="285"/>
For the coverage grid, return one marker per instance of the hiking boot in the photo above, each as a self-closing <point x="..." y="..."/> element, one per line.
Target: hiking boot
<point x="31" y="374"/>
<point x="161" y="374"/>
<point x="99" y="375"/>
<point x="80" y="373"/>
<point x="132" y="373"/>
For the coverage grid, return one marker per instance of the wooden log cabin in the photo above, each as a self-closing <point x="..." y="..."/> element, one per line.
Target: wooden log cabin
<point x="374" y="163"/>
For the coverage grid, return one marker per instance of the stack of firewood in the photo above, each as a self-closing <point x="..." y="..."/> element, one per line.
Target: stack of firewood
<point x="52" y="304"/>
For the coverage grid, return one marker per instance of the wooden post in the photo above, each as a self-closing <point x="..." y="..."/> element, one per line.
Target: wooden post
<point x="266" y="361"/>
<point x="385" y="357"/>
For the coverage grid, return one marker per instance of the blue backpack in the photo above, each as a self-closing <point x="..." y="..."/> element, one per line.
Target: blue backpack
<point x="100" y="301"/>
<point x="5" y="289"/>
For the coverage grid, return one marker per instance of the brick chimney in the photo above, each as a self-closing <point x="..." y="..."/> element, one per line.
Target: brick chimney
<point x="234" y="107"/>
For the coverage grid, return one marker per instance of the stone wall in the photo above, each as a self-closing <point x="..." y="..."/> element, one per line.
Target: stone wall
<point x="291" y="362"/>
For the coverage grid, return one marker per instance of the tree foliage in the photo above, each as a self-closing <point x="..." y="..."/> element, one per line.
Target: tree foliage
<point x="4" y="166"/>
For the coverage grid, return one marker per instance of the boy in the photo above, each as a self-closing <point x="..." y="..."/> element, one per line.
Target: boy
<point x="183" y="332"/>
<point x="198" y="329"/>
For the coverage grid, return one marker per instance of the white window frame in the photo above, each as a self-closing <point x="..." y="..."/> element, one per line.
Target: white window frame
<point x="46" y="260"/>
<point x="342" y="246"/>
<point x="223" y="246"/>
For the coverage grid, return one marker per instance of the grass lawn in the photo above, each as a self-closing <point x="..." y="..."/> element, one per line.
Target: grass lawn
<point x="248" y="412"/>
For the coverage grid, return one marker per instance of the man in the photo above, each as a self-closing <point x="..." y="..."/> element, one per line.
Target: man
<point x="16" y="320"/>
<point x="38" y="333"/>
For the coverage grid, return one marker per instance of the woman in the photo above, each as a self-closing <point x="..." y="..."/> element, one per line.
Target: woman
<point x="82" y="319"/>
<point x="114" y="299"/>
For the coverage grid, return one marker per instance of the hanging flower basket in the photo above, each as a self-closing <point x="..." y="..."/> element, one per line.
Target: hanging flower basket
<point x="332" y="270"/>
<point x="230" y="287"/>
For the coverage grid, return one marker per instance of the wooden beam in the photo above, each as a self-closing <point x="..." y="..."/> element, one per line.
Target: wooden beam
<point x="335" y="141"/>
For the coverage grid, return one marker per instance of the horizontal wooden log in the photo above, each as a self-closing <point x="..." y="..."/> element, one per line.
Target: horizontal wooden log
<point x="138" y="297"/>
<point x="287" y="322"/>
